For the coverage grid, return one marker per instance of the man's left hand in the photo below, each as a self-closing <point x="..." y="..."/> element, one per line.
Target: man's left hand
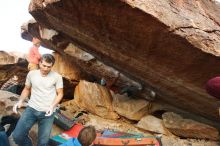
<point x="49" y="112"/>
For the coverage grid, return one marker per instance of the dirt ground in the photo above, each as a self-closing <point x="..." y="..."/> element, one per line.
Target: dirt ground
<point x="126" y="126"/>
<point x="101" y="124"/>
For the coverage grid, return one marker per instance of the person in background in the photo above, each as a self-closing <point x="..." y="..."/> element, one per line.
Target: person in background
<point x="110" y="82"/>
<point x="34" y="56"/>
<point x="130" y="90"/>
<point x="85" y="138"/>
<point x="46" y="90"/>
<point x="11" y="120"/>
<point x="11" y="85"/>
<point x="212" y="87"/>
<point x="3" y="137"/>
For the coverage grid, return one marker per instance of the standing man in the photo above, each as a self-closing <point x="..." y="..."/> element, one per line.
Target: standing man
<point x="46" y="89"/>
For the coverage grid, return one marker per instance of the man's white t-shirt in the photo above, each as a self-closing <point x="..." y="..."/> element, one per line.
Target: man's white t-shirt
<point x="43" y="89"/>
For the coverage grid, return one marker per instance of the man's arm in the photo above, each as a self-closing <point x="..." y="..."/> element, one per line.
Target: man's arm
<point x="25" y="93"/>
<point x="57" y="99"/>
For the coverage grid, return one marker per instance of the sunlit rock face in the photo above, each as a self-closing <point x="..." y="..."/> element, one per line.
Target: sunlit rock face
<point x="7" y="71"/>
<point x="188" y="128"/>
<point x="170" y="47"/>
<point x="65" y="68"/>
<point x="5" y="58"/>
<point x="95" y="98"/>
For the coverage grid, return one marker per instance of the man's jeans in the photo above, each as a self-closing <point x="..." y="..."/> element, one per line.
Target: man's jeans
<point x="29" y="117"/>
<point x="3" y="139"/>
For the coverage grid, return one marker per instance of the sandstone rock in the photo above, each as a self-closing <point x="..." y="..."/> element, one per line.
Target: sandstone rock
<point x="133" y="109"/>
<point x="100" y="124"/>
<point x="188" y="128"/>
<point x="153" y="124"/>
<point x="95" y="99"/>
<point x="169" y="46"/>
<point x="174" y="141"/>
<point x="164" y="44"/>
<point x="88" y="64"/>
<point x="96" y="68"/>
<point x="7" y="100"/>
<point x="65" y="68"/>
<point x="47" y="33"/>
<point x="5" y="58"/>
<point x="71" y="106"/>
<point x="8" y="70"/>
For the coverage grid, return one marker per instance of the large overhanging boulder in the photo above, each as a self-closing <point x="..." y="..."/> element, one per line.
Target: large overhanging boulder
<point x="168" y="46"/>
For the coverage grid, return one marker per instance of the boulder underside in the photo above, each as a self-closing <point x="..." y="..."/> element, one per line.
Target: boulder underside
<point x="165" y="46"/>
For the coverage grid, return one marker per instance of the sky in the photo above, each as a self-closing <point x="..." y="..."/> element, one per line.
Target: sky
<point x="13" y="13"/>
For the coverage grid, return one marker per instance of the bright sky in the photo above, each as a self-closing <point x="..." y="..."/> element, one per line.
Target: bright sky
<point x="13" y="13"/>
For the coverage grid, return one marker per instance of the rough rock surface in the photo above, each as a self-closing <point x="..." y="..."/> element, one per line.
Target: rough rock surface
<point x="5" y="58"/>
<point x="94" y="98"/>
<point x="7" y="100"/>
<point x="173" y="141"/>
<point x="153" y="124"/>
<point x="117" y="125"/>
<point x="188" y="128"/>
<point x="133" y="109"/>
<point x="169" y="46"/>
<point x="7" y="71"/>
<point x="65" y="68"/>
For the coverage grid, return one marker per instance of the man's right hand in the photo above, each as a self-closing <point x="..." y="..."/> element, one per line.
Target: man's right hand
<point x="19" y="104"/>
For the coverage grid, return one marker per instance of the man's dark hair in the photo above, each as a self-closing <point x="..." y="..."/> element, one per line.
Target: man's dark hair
<point x="87" y="135"/>
<point x="48" y="58"/>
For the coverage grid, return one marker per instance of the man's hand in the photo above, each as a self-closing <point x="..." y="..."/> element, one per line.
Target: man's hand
<point x="25" y="93"/>
<point x="49" y="112"/>
<point x="19" y="104"/>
